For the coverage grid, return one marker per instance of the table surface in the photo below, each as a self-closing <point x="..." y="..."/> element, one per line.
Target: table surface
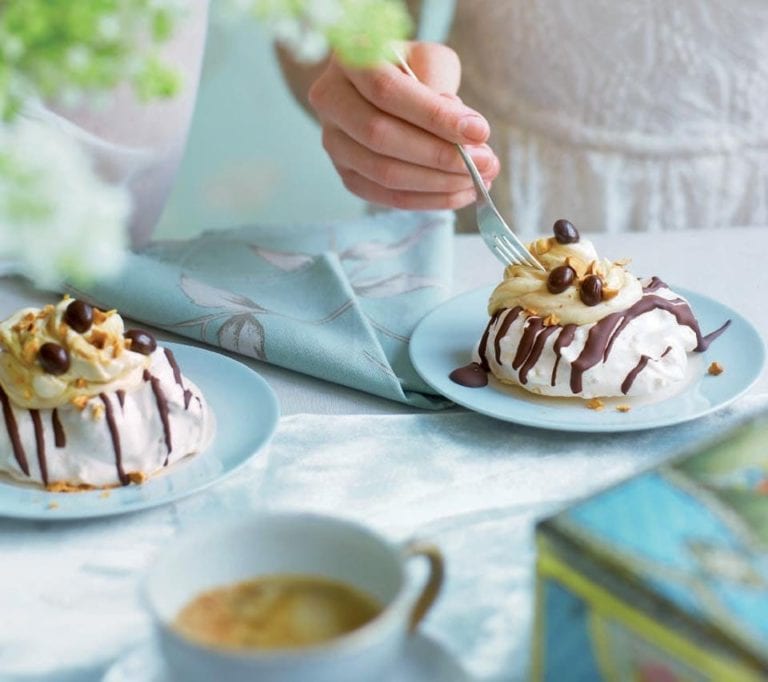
<point x="726" y="265"/>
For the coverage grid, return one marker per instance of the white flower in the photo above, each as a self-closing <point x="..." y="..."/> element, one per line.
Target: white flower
<point x="58" y="219"/>
<point x="109" y="27"/>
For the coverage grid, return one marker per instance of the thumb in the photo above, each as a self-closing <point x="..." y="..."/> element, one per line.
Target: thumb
<point x="436" y="65"/>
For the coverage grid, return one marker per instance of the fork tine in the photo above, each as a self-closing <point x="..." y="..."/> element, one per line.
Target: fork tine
<point x="511" y="248"/>
<point x="504" y="251"/>
<point x="515" y="245"/>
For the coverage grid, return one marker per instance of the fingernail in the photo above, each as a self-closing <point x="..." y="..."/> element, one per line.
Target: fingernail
<point x="473" y="128"/>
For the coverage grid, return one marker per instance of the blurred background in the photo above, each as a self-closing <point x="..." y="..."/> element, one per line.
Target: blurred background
<point x="253" y="154"/>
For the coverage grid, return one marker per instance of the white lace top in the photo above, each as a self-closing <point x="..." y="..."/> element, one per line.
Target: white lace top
<point x="622" y="115"/>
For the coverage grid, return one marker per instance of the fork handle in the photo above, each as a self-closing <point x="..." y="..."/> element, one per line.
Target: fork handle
<point x="468" y="162"/>
<point x="476" y="177"/>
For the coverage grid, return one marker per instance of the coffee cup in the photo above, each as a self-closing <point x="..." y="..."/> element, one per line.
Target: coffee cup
<point x="331" y="550"/>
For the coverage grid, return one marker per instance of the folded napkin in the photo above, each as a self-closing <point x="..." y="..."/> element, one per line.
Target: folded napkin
<point x="474" y="485"/>
<point x="337" y="301"/>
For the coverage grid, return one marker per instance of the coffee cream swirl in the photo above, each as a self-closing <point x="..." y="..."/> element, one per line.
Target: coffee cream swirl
<point x="100" y="358"/>
<point x="526" y="286"/>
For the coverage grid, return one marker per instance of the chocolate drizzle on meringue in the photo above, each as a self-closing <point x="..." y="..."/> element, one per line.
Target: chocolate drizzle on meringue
<point x="484" y="340"/>
<point x="40" y="443"/>
<point x="162" y="408"/>
<point x="563" y="340"/>
<point x="177" y="376"/>
<point x="13" y="433"/>
<point x="600" y="338"/>
<point x="59" y="437"/>
<point x="503" y="329"/>
<point x="115" y="434"/>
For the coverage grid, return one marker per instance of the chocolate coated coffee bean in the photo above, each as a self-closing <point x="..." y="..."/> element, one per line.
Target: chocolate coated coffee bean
<point x="591" y="290"/>
<point x="560" y="279"/>
<point x="79" y="316"/>
<point x="565" y="232"/>
<point x="53" y="358"/>
<point x="141" y="341"/>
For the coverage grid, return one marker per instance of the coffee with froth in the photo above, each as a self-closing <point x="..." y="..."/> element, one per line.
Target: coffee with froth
<point x="277" y="611"/>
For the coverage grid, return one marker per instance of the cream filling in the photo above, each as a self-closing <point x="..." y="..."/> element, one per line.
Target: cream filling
<point x="527" y="287"/>
<point x="99" y="359"/>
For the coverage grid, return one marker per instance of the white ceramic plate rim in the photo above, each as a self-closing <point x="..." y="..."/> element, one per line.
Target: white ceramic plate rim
<point x="434" y="357"/>
<point x="231" y="450"/>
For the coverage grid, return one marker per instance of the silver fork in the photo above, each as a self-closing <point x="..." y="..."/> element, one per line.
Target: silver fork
<point x="498" y="236"/>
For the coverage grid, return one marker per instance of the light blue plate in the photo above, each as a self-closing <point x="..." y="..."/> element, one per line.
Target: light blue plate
<point x="446" y="337"/>
<point x="246" y="413"/>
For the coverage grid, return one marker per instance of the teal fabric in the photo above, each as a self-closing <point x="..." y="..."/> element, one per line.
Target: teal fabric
<point x="336" y="301"/>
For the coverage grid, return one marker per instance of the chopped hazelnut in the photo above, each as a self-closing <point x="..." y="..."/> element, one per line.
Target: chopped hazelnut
<point x="80" y="401"/>
<point x="98" y="338"/>
<point x="715" y="369"/>
<point x="623" y="408"/>
<point x="97" y="411"/>
<point x="137" y="477"/>
<point x="551" y="320"/>
<point x="578" y="265"/>
<point x="609" y="293"/>
<point x="29" y="351"/>
<point x="531" y="312"/>
<point x="99" y="316"/>
<point x="541" y="246"/>
<point x="595" y="404"/>
<point x="80" y="382"/>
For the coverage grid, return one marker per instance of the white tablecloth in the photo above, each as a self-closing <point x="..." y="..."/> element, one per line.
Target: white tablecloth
<point x="84" y="573"/>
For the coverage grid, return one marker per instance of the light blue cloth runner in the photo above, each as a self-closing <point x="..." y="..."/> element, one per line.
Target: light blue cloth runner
<point x="473" y="485"/>
<point x="336" y="301"/>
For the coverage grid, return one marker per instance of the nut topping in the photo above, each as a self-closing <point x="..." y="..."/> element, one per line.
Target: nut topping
<point x="715" y="369"/>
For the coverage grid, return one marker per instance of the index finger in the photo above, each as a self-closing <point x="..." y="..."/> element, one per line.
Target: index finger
<point x="395" y="92"/>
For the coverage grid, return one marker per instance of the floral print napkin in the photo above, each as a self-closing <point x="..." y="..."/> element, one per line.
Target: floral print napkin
<point x="336" y="301"/>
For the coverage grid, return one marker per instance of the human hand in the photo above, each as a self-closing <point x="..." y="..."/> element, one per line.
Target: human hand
<point x="391" y="137"/>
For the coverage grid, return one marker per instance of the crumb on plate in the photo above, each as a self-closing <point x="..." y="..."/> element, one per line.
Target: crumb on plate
<point x="715" y="368"/>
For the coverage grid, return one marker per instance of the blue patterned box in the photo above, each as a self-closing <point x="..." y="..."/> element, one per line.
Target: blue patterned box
<point x="664" y="577"/>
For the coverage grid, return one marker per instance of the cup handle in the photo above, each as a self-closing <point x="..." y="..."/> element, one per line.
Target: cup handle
<point x="417" y="548"/>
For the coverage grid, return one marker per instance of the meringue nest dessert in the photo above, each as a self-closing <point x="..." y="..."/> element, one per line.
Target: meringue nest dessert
<point x="584" y="327"/>
<point x="87" y="404"/>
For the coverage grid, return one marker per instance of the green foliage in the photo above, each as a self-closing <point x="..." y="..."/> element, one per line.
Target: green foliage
<point x="52" y="48"/>
<point x="360" y="32"/>
<point x="366" y="29"/>
<point x="58" y="218"/>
